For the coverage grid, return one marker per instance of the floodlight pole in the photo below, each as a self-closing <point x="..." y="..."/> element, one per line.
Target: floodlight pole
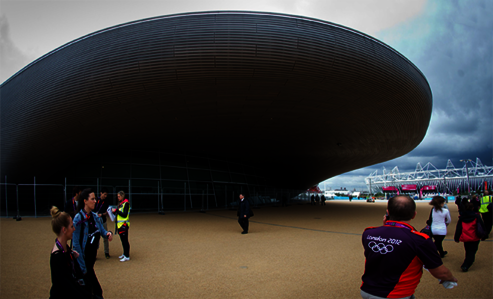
<point x="6" y="203"/>
<point x="467" y="174"/>
<point x="17" y="198"/>
<point x="35" y="215"/>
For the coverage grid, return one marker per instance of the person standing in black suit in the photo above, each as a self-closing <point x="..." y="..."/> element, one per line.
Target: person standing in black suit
<point x="101" y="209"/>
<point x="244" y="213"/>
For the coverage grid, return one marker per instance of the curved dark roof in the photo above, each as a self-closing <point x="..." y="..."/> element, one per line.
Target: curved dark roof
<point x="304" y="98"/>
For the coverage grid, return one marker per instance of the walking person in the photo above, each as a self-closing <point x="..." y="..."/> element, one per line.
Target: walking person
<point x="486" y="211"/>
<point x="476" y="203"/>
<point x="122" y="213"/>
<point x="66" y="276"/>
<point x="71" y="205"/>
<point x="470" y="230"/>
<point x="396" y="253"/>
<point x="88" y="229"/>
<point x="244" y="213"/>
<point x="440" y="219"/>
<point x="461" y="202"/>
<point x="101" y="209"/>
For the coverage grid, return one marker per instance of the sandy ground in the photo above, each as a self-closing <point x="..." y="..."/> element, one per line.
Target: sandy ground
<point x="299" y="251"/>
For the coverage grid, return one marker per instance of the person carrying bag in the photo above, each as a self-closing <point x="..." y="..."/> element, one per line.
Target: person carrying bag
<point x="427" y="228"/>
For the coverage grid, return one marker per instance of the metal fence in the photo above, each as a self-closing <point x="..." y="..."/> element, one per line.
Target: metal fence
<point x="35" y="199"/>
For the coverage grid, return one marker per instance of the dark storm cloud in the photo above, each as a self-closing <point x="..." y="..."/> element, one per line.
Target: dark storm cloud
<point x="452" y="44"/>
<point x="11" y="58"/>
<point x="456" y="57"/>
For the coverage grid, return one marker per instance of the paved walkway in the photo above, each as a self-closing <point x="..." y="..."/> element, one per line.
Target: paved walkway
<point x="300" y="251"/>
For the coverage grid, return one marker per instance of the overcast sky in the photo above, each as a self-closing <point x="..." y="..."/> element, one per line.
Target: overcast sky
<point x="451" y="42"/>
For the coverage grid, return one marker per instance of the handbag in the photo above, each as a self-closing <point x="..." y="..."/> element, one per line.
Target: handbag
<point x="430" y="218"/>
<point x="480" y="232"/>
<point x="427" y="230"/>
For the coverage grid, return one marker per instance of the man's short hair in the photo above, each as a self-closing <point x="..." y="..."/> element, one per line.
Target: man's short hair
<point x="401" y="207"/>
<point x="104" y="190"/>
<point x="76" y="190"/>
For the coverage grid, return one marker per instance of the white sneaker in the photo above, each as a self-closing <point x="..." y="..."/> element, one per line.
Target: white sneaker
<point x="124" y="259"/>
<point x="121" y="256"/>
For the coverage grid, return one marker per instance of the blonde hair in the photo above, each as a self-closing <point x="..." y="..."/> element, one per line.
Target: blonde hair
<point x="122" y="194"/>
<point x="59" y="219"/>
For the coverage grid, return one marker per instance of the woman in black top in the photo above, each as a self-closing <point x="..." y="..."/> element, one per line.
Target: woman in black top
<point x="65" y="271"/>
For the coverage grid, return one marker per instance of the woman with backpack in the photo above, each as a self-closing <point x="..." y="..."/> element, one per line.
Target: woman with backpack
<point x="470" y="230"/>
<point x="440" y="219"/>
<point x="88" y="229"/>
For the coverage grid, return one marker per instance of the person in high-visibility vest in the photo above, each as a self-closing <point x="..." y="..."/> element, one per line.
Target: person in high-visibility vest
<point x="122" y="213"/>
<point x="486" y="211"/>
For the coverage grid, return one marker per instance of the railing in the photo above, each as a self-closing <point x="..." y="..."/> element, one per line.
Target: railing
<point x="35" y="199"/>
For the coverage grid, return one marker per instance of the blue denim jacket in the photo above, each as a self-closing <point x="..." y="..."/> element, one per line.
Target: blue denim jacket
<point x="76" y="236"/>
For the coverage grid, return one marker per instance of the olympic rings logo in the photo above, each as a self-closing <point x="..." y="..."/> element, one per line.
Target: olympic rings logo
<point x="380" y="247"/>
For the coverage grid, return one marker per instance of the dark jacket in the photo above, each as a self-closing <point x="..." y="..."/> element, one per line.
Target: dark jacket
<point x="465" y="220"/>
<point x="100" y="208"/>
<point x="81" y="235"/>
<point x="64" y="275"/>
<point x="244" y="209"/>
<point x="71" y="207"/>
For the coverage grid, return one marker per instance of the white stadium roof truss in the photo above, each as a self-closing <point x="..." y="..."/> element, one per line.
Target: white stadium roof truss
<point x="447" y="180"/>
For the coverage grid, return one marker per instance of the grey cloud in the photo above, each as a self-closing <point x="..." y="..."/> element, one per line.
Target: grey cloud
<point x="452" y="44"/>
<point x="11" y="58"/>
<point x="456" y="58"/>
<point x="369" y="16"/>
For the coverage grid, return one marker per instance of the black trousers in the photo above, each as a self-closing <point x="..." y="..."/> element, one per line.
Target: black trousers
<point x="438" y="243"/>
<point x="488" y="222"/>
<point x="243" y="221"/>
<point x="92" y="282"/>
<point x="471" y="249"/>
<point x="125" y="244"/>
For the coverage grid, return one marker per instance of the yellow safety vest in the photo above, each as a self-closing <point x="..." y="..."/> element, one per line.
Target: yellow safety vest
<point x="485" y="201"/>
<point x="121" y="220"/>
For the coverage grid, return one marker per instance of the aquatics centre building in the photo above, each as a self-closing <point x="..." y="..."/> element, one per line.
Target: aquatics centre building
<point x="178" y="108"/>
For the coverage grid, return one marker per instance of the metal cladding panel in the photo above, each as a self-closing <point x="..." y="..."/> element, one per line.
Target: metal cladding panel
<point x="308" y="99"/>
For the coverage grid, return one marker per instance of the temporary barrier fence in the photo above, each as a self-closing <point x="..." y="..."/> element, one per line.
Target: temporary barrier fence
<point x="36" y="199"/>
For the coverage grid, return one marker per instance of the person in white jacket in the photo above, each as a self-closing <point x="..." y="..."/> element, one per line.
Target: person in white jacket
<point x="440" y="220"/>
